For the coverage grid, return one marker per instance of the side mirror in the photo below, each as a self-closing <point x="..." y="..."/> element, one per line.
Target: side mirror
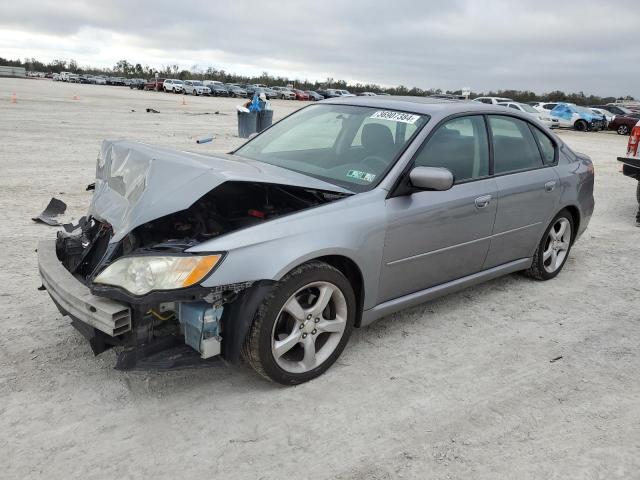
<point x="431" y="178"/>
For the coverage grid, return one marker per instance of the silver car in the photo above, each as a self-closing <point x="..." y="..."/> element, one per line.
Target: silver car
<point x="342" y="213"/>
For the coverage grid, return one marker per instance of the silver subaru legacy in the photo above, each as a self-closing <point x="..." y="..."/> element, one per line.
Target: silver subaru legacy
<point x="338" y="215"/>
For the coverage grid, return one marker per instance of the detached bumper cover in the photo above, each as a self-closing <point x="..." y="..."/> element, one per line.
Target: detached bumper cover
<point x="74" y="299"/>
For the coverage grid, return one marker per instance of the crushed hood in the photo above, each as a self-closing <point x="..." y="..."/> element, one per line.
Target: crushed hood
<point x="137" y="183"/>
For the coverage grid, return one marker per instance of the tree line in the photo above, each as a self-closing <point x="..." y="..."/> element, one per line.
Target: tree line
<point x="124" y="68"/>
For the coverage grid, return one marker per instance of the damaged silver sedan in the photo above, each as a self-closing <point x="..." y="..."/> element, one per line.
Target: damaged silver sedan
<point x="342" y="213"/>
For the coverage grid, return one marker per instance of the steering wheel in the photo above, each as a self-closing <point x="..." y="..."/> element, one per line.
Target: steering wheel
<point x="376" y="163"/>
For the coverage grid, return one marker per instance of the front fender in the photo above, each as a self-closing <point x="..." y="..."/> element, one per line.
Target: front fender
<point x="352" y="228"/>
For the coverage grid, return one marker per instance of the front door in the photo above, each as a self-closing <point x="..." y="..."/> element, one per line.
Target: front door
<point x="436" y="236"/>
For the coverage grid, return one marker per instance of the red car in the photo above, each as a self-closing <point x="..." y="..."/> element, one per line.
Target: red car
<point x="623" y="124"/>
<point x="300" y="95"/>
<point x="155" y="84"/>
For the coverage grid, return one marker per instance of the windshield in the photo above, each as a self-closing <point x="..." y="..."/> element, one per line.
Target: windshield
<point x="528" y="108"/>
<point x="179" y="82"/>
<point x="583" y="110"/>
<point x="197" y="83"/>
<point x="353" y="147"/>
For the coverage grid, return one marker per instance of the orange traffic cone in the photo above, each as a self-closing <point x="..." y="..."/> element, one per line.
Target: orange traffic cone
<point x="14" y="99"/>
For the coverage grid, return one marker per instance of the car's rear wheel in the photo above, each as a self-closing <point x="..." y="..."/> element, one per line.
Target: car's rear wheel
<point x="581" y="126"/>
<point x="303" y="325"/>
<point x="553" y="249"/>
<point x="623" y="130"/>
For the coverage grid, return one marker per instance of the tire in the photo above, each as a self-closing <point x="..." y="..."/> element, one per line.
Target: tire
<point x="544" y="268"/>
<point x="623" y="130"/>
<point x="638" y="193"/>
<point x="302" y="333"/>
<point x="581" y="126"/>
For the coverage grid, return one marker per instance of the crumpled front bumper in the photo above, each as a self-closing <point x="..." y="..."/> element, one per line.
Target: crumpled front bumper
<point x="75" y="300"/>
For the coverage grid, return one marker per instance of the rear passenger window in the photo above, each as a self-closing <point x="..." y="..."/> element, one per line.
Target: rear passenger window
<point x="514" y="147"/>
<point x="546" y="146"/>
<point x="461" y="146"/>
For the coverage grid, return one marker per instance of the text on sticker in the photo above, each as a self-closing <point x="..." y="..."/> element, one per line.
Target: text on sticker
<point x="396" y="116"/>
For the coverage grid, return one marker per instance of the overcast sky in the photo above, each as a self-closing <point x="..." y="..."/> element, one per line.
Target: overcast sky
<point x="540" y="45"/>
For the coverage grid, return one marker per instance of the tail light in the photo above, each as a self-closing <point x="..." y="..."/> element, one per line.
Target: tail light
<point x="634" y="139"/>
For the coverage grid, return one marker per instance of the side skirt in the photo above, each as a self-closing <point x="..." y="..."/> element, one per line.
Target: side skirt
<point x="413" y="299"/>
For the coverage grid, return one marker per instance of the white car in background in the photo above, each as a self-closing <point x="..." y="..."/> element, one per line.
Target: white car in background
<point x="173" y="85"/>
<point x="608" y="116"/>
<point x="284" y="93"/>
<point x="544" y="116"/>
<point x="492" y="100"/>
<point x="195" y="87"/>
<point x="545" y="106"/>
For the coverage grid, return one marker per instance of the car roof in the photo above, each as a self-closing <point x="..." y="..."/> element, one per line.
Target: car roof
<point x="421" y="105"/>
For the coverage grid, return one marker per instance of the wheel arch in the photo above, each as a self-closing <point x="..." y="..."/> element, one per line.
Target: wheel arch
<point x="575" y="216"/>
<point x="349" y="269"/>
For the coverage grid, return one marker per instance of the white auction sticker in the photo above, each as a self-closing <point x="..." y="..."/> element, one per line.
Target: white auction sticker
<point x="395" y="116"/>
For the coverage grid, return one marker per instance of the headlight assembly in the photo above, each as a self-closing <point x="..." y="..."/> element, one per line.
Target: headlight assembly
<point x="142" y="274"/>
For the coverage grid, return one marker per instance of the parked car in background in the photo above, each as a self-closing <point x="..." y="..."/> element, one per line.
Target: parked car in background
<point x="235" y="91"/>
<point x="607" y="116"/>
<point x="492" y="100"/>
<point x="314" y="96"/>
<point x="615" y="109"/>
<point x="270" y="94"/>
<point x="545" y="117"/>
<point x="137" y="83"/>
<point x="195" y="87"/>
<point x="346" y="93"/>
<point x="155" y="84"/>
<point x="367" y="94"/>
<point x="301" y="95"/>
<point x="279" y="250"/>
<point x="631" y="164"/>
<point x="284" y="93"/>
<point x="330" y="93"/>
<point x="217" y="89"/>
<point x="623" y="124"/>
<point x="173" y="85"/>
<point x="545" y="106"/>
<point x="606" y="113"/>
<point x="100" y="80"/>
<point x="570" y="115"/>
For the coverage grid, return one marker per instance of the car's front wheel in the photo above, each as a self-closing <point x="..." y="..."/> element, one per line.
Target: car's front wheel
<point x="303" y="325"/>
<point x="581" y="126"/>
<point x="553" y="249"/>
<point x="622" y="130"/>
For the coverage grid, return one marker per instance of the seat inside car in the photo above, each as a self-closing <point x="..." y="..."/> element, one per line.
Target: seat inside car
<point x="377" y="140"/>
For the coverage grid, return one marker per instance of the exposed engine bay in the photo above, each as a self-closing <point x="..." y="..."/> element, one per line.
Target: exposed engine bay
<point x="168" y="319"/>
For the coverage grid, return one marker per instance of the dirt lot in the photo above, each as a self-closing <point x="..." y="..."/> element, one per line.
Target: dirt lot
<point x="459" y="388"/>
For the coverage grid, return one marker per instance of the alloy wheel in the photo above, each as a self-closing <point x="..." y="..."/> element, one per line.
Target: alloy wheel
<point x="309" y="327"/>
<point x="557" y="245"/>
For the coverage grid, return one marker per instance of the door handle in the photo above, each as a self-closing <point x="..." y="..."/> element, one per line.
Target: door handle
<point x="550" y="186"/>
<point x="483" y="201"/>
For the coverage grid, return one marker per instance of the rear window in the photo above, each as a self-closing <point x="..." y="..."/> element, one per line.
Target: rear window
<point x="514" y="148"/>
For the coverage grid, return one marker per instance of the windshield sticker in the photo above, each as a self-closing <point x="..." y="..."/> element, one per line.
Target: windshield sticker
<point x="395" y="116"/>
<point x="364" y="176"/>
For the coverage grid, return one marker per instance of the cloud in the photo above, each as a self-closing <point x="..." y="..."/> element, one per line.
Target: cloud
<point x="542" y="46"/>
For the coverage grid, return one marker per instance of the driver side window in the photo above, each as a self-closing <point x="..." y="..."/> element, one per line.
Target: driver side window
<point x="459" y="145"/>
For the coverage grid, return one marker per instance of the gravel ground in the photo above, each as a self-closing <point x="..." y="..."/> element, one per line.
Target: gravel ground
<point x="459" y="388"/>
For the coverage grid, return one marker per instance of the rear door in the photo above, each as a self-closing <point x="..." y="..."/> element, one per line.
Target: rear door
<point x="528" y="187"/>
<point x="437" y="236"/>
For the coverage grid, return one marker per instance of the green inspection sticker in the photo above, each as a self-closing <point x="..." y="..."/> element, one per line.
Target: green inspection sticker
<point x="364" y="176"/>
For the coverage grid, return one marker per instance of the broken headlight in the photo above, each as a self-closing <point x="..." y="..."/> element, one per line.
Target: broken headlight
<point x="142" y="274"/>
